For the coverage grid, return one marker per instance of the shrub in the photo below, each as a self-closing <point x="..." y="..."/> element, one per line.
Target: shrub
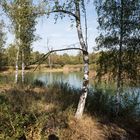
<point x="38" y="83"/>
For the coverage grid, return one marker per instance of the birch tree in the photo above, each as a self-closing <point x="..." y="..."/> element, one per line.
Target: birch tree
<point x="2" y="41"/>
<point x="73" y="9"/>
<point x="119" y="25"/>
<point x="23" y="16"/>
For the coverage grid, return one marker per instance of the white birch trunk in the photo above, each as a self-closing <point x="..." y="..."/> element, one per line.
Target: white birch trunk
<point x="82" y="101"/>
<point x="23" y="66"/>
<point x="50" y="64"/>
<point x="16" y="71"/>
<point x="119" y="75"/>
<point x="17" y="57"/>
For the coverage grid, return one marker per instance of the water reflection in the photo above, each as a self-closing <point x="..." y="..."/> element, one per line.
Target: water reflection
<point x="73" y="78"/>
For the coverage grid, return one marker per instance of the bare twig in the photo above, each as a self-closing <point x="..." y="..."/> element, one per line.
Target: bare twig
<point x="63" y="11"/>
<point x="57" y="11"/>
<point x="86" y="32"/>
<point x="49" y="50"/>
<point x="45" y="56"/>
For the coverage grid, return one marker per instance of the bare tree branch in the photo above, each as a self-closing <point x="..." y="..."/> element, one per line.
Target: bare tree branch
<point x="57" y="11"/>
<point x="86" y="31"/>
<point x="49" y="50"/>
<point x="65" y="12"/>
<point x="45" y="56"/>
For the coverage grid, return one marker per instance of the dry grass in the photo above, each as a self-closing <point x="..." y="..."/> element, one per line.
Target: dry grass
<point x="89" y="128"/>
<point x="38" y="112"/>
<point x="112" y="131"/>
<point x="84" y="129"/>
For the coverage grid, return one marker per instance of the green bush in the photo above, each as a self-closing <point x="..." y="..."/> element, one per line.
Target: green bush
<point x="38" y="83"/>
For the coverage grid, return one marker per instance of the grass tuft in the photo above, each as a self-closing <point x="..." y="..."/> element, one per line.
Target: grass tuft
<point x="39" y="112"/>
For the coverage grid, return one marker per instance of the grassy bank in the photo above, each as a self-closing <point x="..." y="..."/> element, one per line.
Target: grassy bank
<point x="42" y="68"/>
<point x="35" y="112"/>
<point x="46" y="68"/>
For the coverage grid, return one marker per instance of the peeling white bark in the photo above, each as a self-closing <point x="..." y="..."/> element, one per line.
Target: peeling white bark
<point x="16" y="72"/>
<point x="82" y="101"/>
<point x="23" y="66"/>
<point x="17" y="57"/>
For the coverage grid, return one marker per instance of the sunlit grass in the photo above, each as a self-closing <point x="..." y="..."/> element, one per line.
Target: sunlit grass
<point x="36" y="111"/>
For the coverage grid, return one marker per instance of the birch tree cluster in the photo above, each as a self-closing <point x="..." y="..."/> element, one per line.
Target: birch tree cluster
<point x="119" y="39"/>
<point x="23" y="20"/>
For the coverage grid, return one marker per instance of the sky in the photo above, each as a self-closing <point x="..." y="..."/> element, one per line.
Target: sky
<point x="61" y="34"/>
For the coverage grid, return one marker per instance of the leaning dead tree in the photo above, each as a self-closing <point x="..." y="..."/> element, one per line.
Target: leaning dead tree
<point x="46" y="56"/>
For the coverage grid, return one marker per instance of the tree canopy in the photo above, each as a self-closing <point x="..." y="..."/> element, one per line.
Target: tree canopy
<point x="119" y="37"/>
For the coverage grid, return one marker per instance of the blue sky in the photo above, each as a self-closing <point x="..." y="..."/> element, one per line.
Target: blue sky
<point x="61" y="34"/>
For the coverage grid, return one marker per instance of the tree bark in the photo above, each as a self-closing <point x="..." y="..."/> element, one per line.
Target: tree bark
<point x="17" y="57"/>
<point x="23" y="66"/>
<point x="119" y="75"/>
<point x="82" y="101"/>
<point x="16" y="72"/>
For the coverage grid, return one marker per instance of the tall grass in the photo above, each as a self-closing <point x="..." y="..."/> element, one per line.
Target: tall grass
<point x="37" y="111"/>
<point x="103" y="102"/>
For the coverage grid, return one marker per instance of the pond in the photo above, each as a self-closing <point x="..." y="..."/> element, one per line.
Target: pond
<point x="74" y="79"/>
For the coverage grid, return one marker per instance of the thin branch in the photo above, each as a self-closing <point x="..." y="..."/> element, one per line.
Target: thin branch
<point x="45" y="56"/>
<point x="49" y="50"/>
<point x="58" y="11"/>
<point x="86" y="32"/>
<point x="65" y="12"/>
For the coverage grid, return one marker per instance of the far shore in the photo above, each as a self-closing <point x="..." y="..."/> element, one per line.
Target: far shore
<point x="44" y="68"/>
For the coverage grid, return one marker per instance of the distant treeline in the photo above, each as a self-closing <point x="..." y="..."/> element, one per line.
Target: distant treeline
<point x="8" y="58"/>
